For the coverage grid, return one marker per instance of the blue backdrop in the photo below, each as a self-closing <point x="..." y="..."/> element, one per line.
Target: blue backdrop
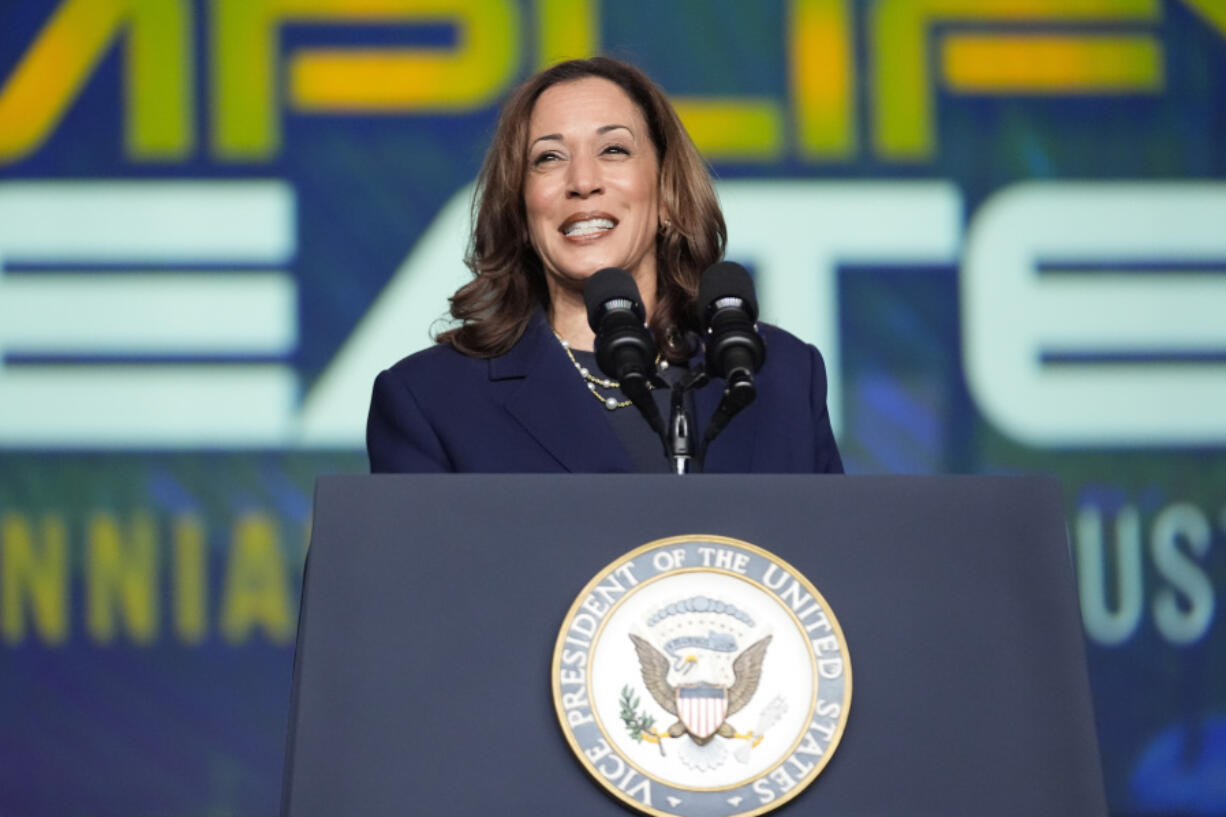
<point x="1003" y="221"/>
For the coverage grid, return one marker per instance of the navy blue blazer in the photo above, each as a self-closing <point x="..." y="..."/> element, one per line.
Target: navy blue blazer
<point x="528" y="411"/>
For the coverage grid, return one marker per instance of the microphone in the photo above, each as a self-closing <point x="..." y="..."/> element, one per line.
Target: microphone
<point x="728" y="308"/>
<point x="625" y="349"/>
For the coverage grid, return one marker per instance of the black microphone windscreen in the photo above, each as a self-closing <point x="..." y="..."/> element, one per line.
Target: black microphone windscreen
<point x="610" y="284"/>
<point x="726" y="279"/>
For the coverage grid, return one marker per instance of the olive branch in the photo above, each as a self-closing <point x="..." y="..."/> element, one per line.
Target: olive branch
<point x="637" y="721"/>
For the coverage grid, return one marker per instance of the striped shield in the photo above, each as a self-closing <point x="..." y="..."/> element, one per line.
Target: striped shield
<point x="702" y="708"/>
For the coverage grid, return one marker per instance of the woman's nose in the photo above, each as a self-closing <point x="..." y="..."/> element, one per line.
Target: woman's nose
<point x="584" y="178"/>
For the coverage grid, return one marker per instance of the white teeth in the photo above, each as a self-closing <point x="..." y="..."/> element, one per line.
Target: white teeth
<point x="590" y="227"/>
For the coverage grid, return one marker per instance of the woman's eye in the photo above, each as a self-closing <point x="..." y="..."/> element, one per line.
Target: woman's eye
<point x="548" y="156"/>
<point x="617" y="149"/>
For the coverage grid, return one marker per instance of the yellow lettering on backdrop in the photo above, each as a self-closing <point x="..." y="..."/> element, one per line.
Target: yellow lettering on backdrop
<point x="901" y="77"/>
<point x="822" y="67"/>
<point x="1052" y="64"/>
<point x="746" y="129"/>
<point x="66" y="52"/>
<point x="121" y="578"/>
<point x="246" y="115"/>
<point x="33" y="575"/>
<point x="256" y="593"/>
<point x="191" y="579"/>
<point x="566" y="30"/>
<point x="1212" y="12"/>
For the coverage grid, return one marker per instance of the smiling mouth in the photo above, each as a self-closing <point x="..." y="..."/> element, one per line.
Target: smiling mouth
<point x="588" y="227"/>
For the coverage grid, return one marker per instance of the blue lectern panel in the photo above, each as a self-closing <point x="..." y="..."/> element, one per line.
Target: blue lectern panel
<point x="431" y="606"/>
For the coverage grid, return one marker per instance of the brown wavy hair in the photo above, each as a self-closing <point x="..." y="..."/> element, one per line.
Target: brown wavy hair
<point x="508" y="284"/>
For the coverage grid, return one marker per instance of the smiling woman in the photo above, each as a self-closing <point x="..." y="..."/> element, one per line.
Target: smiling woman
<point x="589" y="168"/>
<point x="591" y="195"/>
<point x="603" y="124"/>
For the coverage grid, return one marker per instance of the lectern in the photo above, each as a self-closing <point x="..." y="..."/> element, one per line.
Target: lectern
<point x="431" y="606"/>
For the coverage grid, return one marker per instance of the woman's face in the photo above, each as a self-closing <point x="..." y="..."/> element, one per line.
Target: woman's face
<point x="591" y="188"/>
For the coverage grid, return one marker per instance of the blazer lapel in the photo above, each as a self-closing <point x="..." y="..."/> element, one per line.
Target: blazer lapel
<point x="548" y="398"/>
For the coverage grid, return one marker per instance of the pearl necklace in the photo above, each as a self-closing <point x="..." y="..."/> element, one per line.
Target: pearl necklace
<point x="609" y="402"/>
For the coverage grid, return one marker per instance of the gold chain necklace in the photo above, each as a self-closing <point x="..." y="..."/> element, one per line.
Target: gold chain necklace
<point x="609" y="402"/>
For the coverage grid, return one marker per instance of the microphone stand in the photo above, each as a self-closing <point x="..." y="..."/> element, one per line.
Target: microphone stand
<point x="738" y="394"/>
<point x="682" y="447"/>
<point x="686" y="453"/>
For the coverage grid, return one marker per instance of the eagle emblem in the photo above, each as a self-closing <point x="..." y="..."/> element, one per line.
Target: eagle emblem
<point x="697" y="672"/>
<point x="701" y="708"/>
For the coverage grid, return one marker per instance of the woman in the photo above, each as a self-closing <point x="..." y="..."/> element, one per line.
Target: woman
<point x="589" y="168"/>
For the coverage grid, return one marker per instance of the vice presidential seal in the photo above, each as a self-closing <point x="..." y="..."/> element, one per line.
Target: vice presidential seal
<point x="702" y="676"/>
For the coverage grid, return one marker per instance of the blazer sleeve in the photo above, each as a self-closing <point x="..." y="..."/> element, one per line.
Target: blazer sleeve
<point x="399" y="438"/>
<point x="826" y="458"/>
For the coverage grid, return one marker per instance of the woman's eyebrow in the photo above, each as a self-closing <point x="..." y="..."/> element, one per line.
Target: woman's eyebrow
<point x="602" y="130"/>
